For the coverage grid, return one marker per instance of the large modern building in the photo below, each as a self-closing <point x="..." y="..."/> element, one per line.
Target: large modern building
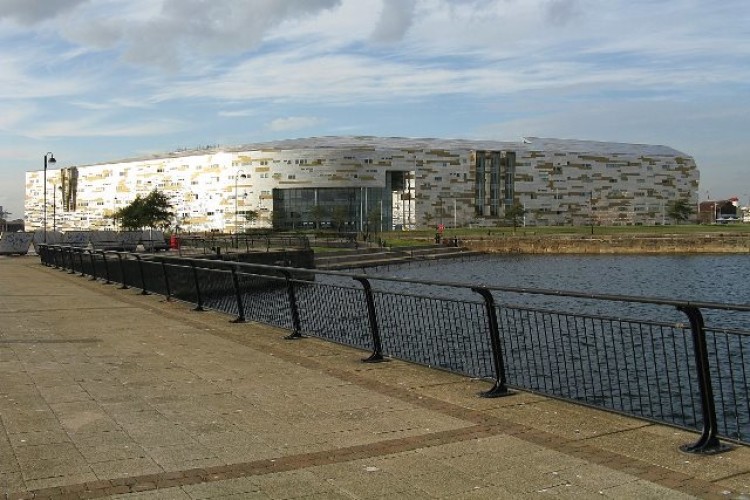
<point x="356" y="183"/>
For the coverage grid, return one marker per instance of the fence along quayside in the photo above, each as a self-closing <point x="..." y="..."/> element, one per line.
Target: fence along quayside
<point x="687" y="375"/>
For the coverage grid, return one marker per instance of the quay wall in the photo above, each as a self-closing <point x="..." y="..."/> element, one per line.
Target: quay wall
<point x="715" y="243"/>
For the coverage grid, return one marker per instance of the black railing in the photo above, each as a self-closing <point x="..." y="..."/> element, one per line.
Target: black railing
<point x="652" y="358"/>
<point x="242" y="242"/>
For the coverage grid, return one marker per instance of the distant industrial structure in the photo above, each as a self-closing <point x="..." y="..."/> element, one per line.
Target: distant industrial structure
<point x="355" y="183"/>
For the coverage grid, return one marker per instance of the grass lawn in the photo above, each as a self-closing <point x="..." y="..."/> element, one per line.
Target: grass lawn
<point x="421" y="237"/>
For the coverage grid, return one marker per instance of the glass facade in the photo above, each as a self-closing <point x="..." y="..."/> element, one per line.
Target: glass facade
<point x="344" y="209"/>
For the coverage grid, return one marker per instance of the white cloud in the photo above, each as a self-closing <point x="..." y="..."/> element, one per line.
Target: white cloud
<point x="238" y="113"/>
<point x="124" y="71"/>
<point x="293" y="123"/>
<point x="395" y="20"/>
<point x="94" y="127"/>
<point x="34" y="11"/>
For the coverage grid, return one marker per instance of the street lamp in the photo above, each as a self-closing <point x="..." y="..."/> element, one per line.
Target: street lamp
<point x="48" y="158"/>
<point x="236" y="180"/>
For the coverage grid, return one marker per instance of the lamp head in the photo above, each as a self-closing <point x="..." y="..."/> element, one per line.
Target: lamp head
<point x="52" y="159"/>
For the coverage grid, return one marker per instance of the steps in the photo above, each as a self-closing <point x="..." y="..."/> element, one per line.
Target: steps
<point x="372" y="257"/>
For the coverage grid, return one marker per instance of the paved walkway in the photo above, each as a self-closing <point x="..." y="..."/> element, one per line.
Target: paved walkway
<point x="106" y="392"/>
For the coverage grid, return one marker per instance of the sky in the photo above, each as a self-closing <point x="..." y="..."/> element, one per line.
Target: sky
<point x="100" y="80"/>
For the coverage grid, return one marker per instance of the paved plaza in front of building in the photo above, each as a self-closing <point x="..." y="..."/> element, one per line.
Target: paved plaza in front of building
<point x="106" y="392"/>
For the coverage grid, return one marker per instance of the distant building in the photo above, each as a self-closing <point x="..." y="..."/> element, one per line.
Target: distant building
<point x="7" y="225"/>
<point x="393" y="183"/>
<point x="712" y="211"/>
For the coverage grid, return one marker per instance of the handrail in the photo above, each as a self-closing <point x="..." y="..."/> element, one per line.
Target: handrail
<point x="499" y="340"/>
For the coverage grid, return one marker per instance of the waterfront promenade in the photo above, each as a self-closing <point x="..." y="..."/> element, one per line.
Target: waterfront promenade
<point x="109" y="393"/>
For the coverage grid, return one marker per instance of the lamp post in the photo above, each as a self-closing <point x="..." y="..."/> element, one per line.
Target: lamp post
<point x="236" y="181"/>
<point x="54" y="207"/>
<point x="48" y="158"/>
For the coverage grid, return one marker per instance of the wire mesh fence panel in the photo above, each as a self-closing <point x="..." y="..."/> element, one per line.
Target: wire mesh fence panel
<point x="153" y="276"/>
<point x="729" y="353"/>
<point x="115" y="271"/>
<point x="645" y="369"/>
<point x="265" y="299"/>
<point x="89" y="264"/>
<point x="442" y="333"/>
<point x="181" y="282"/>
<point x="132" y="272"/>
<point x="217" y="290"/>
<point x="333" y="312"/>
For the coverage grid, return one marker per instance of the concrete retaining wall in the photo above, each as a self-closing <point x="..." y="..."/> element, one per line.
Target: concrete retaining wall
<point x="613" y="244"/>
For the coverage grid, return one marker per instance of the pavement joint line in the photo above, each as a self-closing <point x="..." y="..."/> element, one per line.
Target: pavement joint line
<point x="484" y="425"/>
<point x="151" y="482"/>
<point x="50" y="341"/>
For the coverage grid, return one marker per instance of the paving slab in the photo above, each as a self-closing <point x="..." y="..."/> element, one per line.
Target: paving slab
<point x="105" y="392"/>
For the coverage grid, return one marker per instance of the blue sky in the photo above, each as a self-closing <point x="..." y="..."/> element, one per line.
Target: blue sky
<point x="100" y="80"/>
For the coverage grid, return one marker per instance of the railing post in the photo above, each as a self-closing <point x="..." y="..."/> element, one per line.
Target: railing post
<point x="80" y="257"/>
<point x="166" y="280"/>
<point x="72" y="269"/>
<point x="238" y="294"/>
<point x="53" y="253"/>
<point x="377" y="345"/>
<point x="106" y="268"/>
<point x="297" y="332"/>
<point x="199" y="307"/>
<point x="122" y="272"/>
<point x="93" y="265"/>
<point x="708" y="443"/>
<point x="59" y="259"/>
<point x="61" y="254"/>
<point x="143" y="276"/>
<point x="63" y="265"/>
<point x="500" y="388"/>
<point x="41" y="251"/>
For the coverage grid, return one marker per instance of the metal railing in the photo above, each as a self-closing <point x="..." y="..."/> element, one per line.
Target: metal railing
<point x="651" y="358"/>
<point x="242" y="242"/>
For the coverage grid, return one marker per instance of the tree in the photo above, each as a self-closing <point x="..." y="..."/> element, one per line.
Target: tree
<point x="373" y="223"/>
<point x="251" y="216"/>
<point x="152" y="211"/>
<point x="679" y="210"/>
<point x="515" y="214"/>
<point x="278" y="218"/>
<point x="428" y="218"/>
<point x="318" y="213"/>
<point x="340" y="216"/>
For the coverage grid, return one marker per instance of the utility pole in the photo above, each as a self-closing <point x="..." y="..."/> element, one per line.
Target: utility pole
<point x="3" y="215"/>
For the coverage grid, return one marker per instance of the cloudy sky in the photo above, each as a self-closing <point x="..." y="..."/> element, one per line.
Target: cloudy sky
<point x="99" y="80"/>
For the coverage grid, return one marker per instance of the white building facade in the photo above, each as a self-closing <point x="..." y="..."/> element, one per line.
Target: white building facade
<point x="359" y="183"/>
